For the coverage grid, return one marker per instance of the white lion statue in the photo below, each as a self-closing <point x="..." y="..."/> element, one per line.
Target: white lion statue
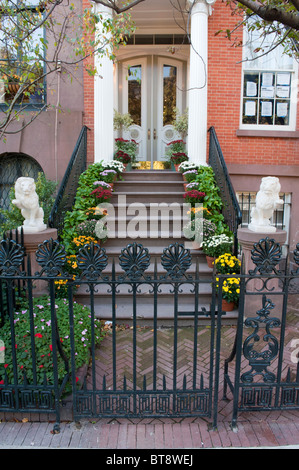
<point x="267" y="200"/>
<point x="28" y="202"/>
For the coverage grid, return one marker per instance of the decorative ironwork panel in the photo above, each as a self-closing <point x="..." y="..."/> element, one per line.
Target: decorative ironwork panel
<point x="176" y="259"/>
<point x="266" y="255"/>
<point x="92" y="260"/>
<point x="134" y="260"/>
<point x="11" y="258"/>
<point x="259" y="361"/>
<point x="51" y="257"/>
<point x="256" y="397"/>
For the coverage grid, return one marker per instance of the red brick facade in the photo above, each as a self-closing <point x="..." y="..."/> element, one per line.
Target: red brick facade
<point x="224" y="97"/>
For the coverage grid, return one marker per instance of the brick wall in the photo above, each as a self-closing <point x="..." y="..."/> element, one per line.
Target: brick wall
<point x="224" y="91"/>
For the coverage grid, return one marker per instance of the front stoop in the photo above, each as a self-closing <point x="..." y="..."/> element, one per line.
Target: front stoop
<point x="137" y="197"/>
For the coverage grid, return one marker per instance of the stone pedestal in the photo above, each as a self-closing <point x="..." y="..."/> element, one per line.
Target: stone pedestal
<point x="31" y="242"/>
<point x="253" y="303"/>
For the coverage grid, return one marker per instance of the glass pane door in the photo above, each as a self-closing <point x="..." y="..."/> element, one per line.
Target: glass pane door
<point x="151" y="91"/>
<point x="170" y="98"/>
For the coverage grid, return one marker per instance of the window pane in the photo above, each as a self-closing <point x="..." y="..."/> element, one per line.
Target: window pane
<point x="282" y="113"/>
<point x="169" y="93"/>
<point x="134" y="93"/>
<point x="255" y="48"/>
<point x="250" y="111"/>
<point x="266" y="98"/>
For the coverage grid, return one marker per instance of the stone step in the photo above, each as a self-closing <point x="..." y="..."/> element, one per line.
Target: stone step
<point x="147" y="185"/>
<point x="159" y="226"/>
<point x="147" y="197"/>
<point x="155" y="250"/>
<point x="144" y="300"/>
<point x="152" y="175"/>
<point x="204" y="272"/>
<point x="145" y="241"/>
<point x="145" y="308"/>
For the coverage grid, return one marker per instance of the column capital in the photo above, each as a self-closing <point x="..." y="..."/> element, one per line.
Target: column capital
<point x="200" y="6"/>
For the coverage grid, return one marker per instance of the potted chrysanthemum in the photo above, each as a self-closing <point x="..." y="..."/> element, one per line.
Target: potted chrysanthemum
<point x="230" y="293"/>
<point x="216" y="246"/>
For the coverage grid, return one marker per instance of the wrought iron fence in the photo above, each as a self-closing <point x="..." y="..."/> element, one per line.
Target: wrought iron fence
<point x="67" y="191"/>
<point x="262" y="371"/>
<point x="140" y="390"/>
<point x="231" y="210"/>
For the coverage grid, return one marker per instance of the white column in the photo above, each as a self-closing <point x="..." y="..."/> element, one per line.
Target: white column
<point x="103" y="100"/>
<point x="198" y="92"/>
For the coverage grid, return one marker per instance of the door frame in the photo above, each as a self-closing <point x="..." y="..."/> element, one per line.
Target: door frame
<point x="152" y="136"/>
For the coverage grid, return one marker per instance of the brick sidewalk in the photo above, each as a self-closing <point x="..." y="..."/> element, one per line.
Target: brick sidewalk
<point x="253" y="431"/>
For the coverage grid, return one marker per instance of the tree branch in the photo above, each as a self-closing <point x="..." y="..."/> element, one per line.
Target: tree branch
<point x="112" y="4"/>
<point x="273" y="13"/>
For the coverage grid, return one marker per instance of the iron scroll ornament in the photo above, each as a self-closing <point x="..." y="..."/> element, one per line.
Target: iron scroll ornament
<point x="259" y="361"/>
<point x="92" y="260"/>
<point x="51" y="256"/>
<point x="134" y="260"/>
<point x="266" y="254"/>
<point x="176" y="259"/>
<point x="11" y="258"/>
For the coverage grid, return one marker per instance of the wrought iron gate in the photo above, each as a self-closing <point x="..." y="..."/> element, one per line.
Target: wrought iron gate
<point x="160" y="390"/>
<point x="156" y="372"/>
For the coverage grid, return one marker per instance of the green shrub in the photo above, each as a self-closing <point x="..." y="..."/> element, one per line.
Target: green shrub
<point x="43" y="339"/>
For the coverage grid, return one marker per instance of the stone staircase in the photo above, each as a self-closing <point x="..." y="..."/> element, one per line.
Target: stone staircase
<point x="138" y="196"/>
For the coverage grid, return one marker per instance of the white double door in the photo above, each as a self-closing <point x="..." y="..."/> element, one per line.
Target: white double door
<point x="151" y="88"/>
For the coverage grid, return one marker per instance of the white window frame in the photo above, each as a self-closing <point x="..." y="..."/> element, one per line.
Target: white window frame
<point x="293" y="94"/>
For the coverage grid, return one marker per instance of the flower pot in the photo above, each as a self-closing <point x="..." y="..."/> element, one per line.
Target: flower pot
<point x="177" y="167"/>
<point x="185" y="187"/>
<point x="227" y="306"/>
<point x="210" y="261"/>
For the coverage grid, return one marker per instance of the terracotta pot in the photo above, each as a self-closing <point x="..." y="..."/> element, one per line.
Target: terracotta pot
<point x="177" y="167"/>
<point x="185" y="187"/>
<point x="227" y="306"/>
<point x="210" y="261"/>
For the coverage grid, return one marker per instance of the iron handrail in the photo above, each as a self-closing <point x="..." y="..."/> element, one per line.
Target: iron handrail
<point x="67" y="190"/>
<point x="231" y="209"/>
